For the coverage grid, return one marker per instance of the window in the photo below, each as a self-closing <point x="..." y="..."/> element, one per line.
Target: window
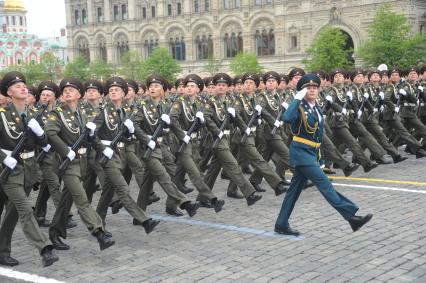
<point x="83" y="48"/>
<point x="144" y="13"/>
<point x="169" y="9"/>
<point x="116" y="13"/>
<point x="226" y="4"/>
<point x="233" y="44"/>
<point x="237" y="4"/>
<point x="13" y="21"/>
<point x="179" y="8"/>
<point x="76" y="17"/>
<point x="7" y="20"/>
<point x="293" y="42"/>
<point x="269" y="1"/>
<point x="206" y="5"/>
<point x="83" y="16"/>
<point x="153" y="11"/>
<point x="99" y="15"/>
<point x="149" y="46"/>
<point x="258" y="2"/>
<point x="21" y="22"/>
<point x="102" y="50"/>
<point x="196" y="6"/>
<point x="122" y="46"/>
<point x="265" y="42"/>
<point x="204" y="46"/>
<point x="177" y="48"/>
<point x="123" y="12"/>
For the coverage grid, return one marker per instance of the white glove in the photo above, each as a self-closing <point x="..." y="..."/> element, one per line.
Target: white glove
<point x="92" y="127"/>
<point x="366" y="95"/>
<point x="231" y="112"/>
<point x="10" y="162"/>
<point x="220" y="135"/>
<point x="301" y="94"/>
<point x="200" y="115"/>
<point x="403" y="92"/>
<point x="375" y="110"/>
<point x="259" y="122"/>
<point x="421" y="88"/>
<point x="151" y="144"/>
<point x="35" y="127"/>
<point x="396" y="109"/>
<point x="186" y="139"/>
<point x="349" y="95"/>
<point x="329" y="98"/>
<point x="382" y="95"/>
<point x="129" y="125"/>
<point x="284" y="105"/>
<point x="359" y="113"/>
<point x="108" y="152"/>
<point x="258" y="108"/>
<point x="165" y="118"/>
<point x="71" y="155"/>
<point x="248" y="131"/>
<point x="344" y="111"/>
<point x="47" y="148"/>
<point x="382" y="108"/>
<point x="277" y="124"/>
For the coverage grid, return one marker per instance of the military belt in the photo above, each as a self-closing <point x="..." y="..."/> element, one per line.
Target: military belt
<point x="108" y="143"/>
<point x="24" y="155"/>
<point x="306" y="141"/>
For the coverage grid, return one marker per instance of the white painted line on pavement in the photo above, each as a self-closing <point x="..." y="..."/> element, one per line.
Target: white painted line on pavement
<point x="10" y="273"/>
<point x="380" y="188"/>
<point x="244" y="230"/>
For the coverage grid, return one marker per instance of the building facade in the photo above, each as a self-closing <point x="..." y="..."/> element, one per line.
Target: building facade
<point x="278" y="31"/>
<point x="16" y="45"/>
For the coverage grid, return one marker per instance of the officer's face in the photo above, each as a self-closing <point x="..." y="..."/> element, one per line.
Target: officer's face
<point x="18" y="91"/>
<point x="385" y="79"/>
<point x="375" y="78"/>
<point x="47" y="97"/>
<point x="180" y="89"/>
<point x="191" y="89"/>
<point x="312" y="94"/>
<point x="70" y="94"/>
<point x="295" y="80"/>
<point x="339" y="78"/>
<point x="261" y="86"/>
<point x="211" y="89"/>
<point x="249" y="86"/>
<point x="141" y="92"/>
<point x="115" y="93"/>
<point x="221" y="89"/>
<point x="239" y="87"/>
<point x="282" y="84"/>
<point x="271" y="84"/>
<point x="413" y="76"/>
<point x="156" y="90"/>
<point x="92" y="94"/>
<point x="359" y="79"/>
<point x="30" y="101"/>
<point x="394" y="77"/>
<point x="130" y="93"/>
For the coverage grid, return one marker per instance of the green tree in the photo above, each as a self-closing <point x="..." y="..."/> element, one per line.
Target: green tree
<point x="100" y="70"/>
<point x="78" y="68"/>
<point x="328" y="51"/>
<point x="245" y="62"/>
<point x="34" y="73"/>
<point x="131" y="65"/>
<point x="160" y="62"/>
<point x="212" y="66"/>
<point x="392" y="41"/>
<point x="52" y="65"/>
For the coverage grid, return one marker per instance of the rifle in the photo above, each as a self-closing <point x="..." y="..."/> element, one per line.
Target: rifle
<point x="222" y="127"/>
<point x="195" y="123"/>
<point x="361" y="108"/>
<point x="280" y="113"/>
<point x="251" y="121"/>
<point x="156" y="134"/>
<point x="104" y="160"/>
<point x="421" y="100"/>
<point x="4" y="175"/>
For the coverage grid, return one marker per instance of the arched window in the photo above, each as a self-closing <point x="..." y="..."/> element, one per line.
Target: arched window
<point x="203" y="43"/>
<point x="264" y="42"/>
<point x="150" y="43"/>
<point x="226" y="4"/>
<point x="102" y="50"/>
<point x="83" y="16"/>
<point x="122" y="46"/>
<point x="123" y="12"/>
<point x="77" y="17"/>
<point x="99" y="15"/>
<point x="83" y="48"/>
<point x="233" y="44"/>
<point x="179" y="8"/>
<point x="177" y="48"/>
<point x="206" y="5"/>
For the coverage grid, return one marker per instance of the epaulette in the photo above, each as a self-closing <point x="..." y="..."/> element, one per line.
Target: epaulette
<point x="59" y="109"/>
<point x="51" y="117"/>
<point x="2" y="109"/>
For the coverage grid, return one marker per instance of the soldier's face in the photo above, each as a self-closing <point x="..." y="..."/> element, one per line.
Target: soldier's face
<point x="249" y="86"/>
<point x="18" y="91"/>
<point x="92" y="94"/>
<point x="394" y="77"/>
<point x="261" y="85"/>
<point x="115" y="93"/>
<point x="191" y="89"/>
<point x="47" y="97"/>
<point x="271" y="84"/>
<point x="359" y="79"/>
<point x="385" y="79"/>
<point x="239" y="87"/>
<point x="180" y="89"/>
<point x="141" y="92"/>
<point x="312" y="94"/>
<point x="3" y="100"/>
<point x="70" y="94"/>
<point x="375" y="78"/>
<point x="282" y="85"/>
<point x="130" y="93"/>
<point x="295" y="80"/>
<point x="413" y="76"/>
<point x="30" y="101"/>
<point x="339" y="78"/>
<point x="156" y="90"/>
<point x="211" y="89"/>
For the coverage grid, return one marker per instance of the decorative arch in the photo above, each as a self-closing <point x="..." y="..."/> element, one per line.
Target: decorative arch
<point x="101" y="48"/>
<point x="150" y="40"/>
<point x="121" y="44"/>
<point x="232" y="39"/>
<point x="176" y="40"/>
<point x="263" y="32"/>
<point x="82" y="45"/>
<point x="203" y="40"/>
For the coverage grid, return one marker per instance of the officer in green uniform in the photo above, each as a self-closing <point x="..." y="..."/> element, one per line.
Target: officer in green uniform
<point x="306" y="120"/>
<point x="64" y="127"/>
<point x="217" y="114"/>
<point x="421" y="95"/>
<point x="15" y="118"/>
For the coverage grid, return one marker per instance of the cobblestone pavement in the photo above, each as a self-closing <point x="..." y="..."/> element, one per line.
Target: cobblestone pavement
<point x="238" y="245"/>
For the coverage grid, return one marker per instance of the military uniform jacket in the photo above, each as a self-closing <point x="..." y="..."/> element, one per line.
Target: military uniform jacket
<point x="270" y="108"/>
<point x="409" y="102"/>
<point x="340" y="100"/>
<point x="302" y="119"/>
<point x="244" y="112"/>
<point x="358" y="91"/>
<point x="422" y="99"/>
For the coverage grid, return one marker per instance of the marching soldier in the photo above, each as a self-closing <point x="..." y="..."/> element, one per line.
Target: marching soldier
<point x="16" y="121"/>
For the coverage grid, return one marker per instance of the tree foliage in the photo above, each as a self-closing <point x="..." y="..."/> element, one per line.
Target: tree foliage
<point x="245" y="62"/>
<point x="160" y="62"/>
<point x="392" y="41"/>
<point x="78" y="68"/>
<point x="100" y="70"/>
<point x="131" y="65"/>
<point x="212" y="66"/>
<point x="328" y="51"/>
